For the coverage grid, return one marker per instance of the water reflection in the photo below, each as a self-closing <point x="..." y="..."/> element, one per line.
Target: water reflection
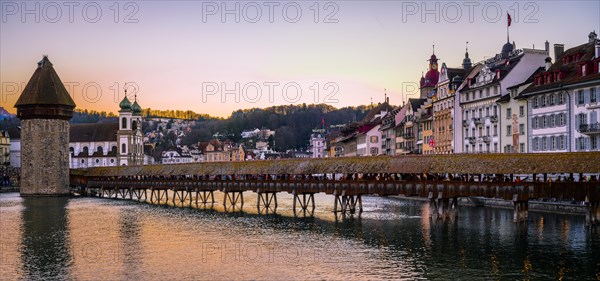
<point x="92" y="239"/>
<point x="45" y="252"/>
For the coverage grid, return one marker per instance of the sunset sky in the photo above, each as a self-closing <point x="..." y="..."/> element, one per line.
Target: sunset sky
<point x="180" y="54"/>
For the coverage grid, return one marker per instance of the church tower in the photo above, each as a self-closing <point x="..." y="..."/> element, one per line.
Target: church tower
<point x="130" y="137"/>
<point x="45" y="108"/>
<point x="124" y="132"/>
<point x="431" y="78"/>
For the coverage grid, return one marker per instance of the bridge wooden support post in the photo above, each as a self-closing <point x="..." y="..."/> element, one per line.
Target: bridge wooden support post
<point x="443" y="207"/>
<point x="347" y="203"/>
<point x="180" y="196"/>
<point x="138" y="194"/>
<point x="265" y="199"/>
<point x="204" y="197"/>
<point x="521" y="209"/>
<point x="233" y="197"/>
<point x="592" y="213"/>
<point x="304" y="202"/>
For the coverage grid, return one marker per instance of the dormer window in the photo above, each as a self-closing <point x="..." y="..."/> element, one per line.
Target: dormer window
<point x="583" y="70"/>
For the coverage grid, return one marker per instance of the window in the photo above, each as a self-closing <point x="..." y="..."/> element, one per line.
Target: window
<point x="521" y="111"/>
<point x="508" y="130"/>
<point x="97" y="160"/>
<point x="593" y="95"/>
<point x="124" y="123"/>
<point x="374" y="139"/>
<point x="495" y="110"/>
<point x="487" y="111"/>
<point x="534" y="122"/>
<point x="561" y="98"/>
<point x="521" y="129"/>
<point x="535" y="103"/>
<point x="593" y="142"/>
<point x="580" y="97"/>
<point x="467" y="148"/>
<point x="552" y="143"/>
<point x="535" y="144"/>
<point x="487" y="130"/>
<point x="544" y="144"/>
<point x="508" y="113"/>
<point x="551" y="123"/>
<point x="561" y="121"/>
<point x="543" y="98"/>
<point x="495" y="130"/>
<point x="561" y="142"/>
<point x="543" y="123"/>
<point x="466" y="115"/>
<point x="581" y="143"/>
<point x="123" y="148"/>
<point x="522" y="147"/>
<point x="552" y="100"/>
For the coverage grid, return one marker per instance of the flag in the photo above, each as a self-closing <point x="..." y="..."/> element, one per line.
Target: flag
<point x="509" y="19"/>
<point x="323" y="121"/>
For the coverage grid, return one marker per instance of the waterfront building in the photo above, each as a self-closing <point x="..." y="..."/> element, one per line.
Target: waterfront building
<point x="109" y="144"/>
<point x="15" y="153"/>
<point x="484" y="85"/>
<point x="407" y="129"/>
<point x="4" y="148"/>
<point x="443" y="106"/>
<point x="563" y="100"/>
<point x="514" y="133"/>
<point x="388" y="132"/>
<point x="45" y="108"/>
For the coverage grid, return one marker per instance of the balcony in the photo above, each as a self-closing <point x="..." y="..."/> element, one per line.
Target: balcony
<point x="487" y="139"/>
<point x="589" y="129"/>
<point x="408" y="136"/>
<point x="477" y="121"/>
<point x="466" y="123"/>
<point x="494" y="118"/>
<point x="472" y="140"/>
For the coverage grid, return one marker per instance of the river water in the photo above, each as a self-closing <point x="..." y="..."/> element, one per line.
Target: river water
<point x="103" y="239"/>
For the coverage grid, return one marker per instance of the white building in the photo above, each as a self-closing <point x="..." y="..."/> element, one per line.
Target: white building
<point x="481" y="117"/>
<point x="109" y="144"/>
<point x="175" y="156"/>
<point x="513" y="132"/>
<point x="563" y="101"/>
<point x="317" y="146"/>
<point x="15" y="153"/>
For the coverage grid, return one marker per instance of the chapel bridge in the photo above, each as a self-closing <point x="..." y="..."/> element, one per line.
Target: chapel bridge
<point x="441" y="178"/>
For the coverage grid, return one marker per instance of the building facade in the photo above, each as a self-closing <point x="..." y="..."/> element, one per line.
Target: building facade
<point x="563" y="100"/>
<point x="481" y="117"/>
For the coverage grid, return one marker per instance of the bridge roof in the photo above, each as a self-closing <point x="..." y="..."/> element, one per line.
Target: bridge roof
<point x="579" y="162"/>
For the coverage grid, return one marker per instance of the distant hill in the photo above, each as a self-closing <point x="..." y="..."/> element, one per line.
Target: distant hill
<point x="5" y="114"/>
<point x="293" y="124"/>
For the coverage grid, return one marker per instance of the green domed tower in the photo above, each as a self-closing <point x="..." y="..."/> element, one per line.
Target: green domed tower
<point x="45" y="108"/>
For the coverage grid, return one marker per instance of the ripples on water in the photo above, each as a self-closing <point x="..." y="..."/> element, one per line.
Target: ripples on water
<point x="100" y="239"/>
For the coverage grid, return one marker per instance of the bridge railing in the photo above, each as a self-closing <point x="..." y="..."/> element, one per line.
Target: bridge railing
<point x="578" y="191"/>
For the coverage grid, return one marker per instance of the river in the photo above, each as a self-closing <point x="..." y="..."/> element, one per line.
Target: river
<point x="84" y="238"/>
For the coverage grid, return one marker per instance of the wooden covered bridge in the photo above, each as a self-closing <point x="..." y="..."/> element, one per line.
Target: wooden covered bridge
<point x="441" y="178"/>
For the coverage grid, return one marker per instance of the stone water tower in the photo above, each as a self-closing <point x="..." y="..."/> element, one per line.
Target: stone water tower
<point x="45" y="109"/>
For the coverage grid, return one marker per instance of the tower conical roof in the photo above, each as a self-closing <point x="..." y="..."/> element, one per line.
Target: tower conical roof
<point x="45" y="95"/>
